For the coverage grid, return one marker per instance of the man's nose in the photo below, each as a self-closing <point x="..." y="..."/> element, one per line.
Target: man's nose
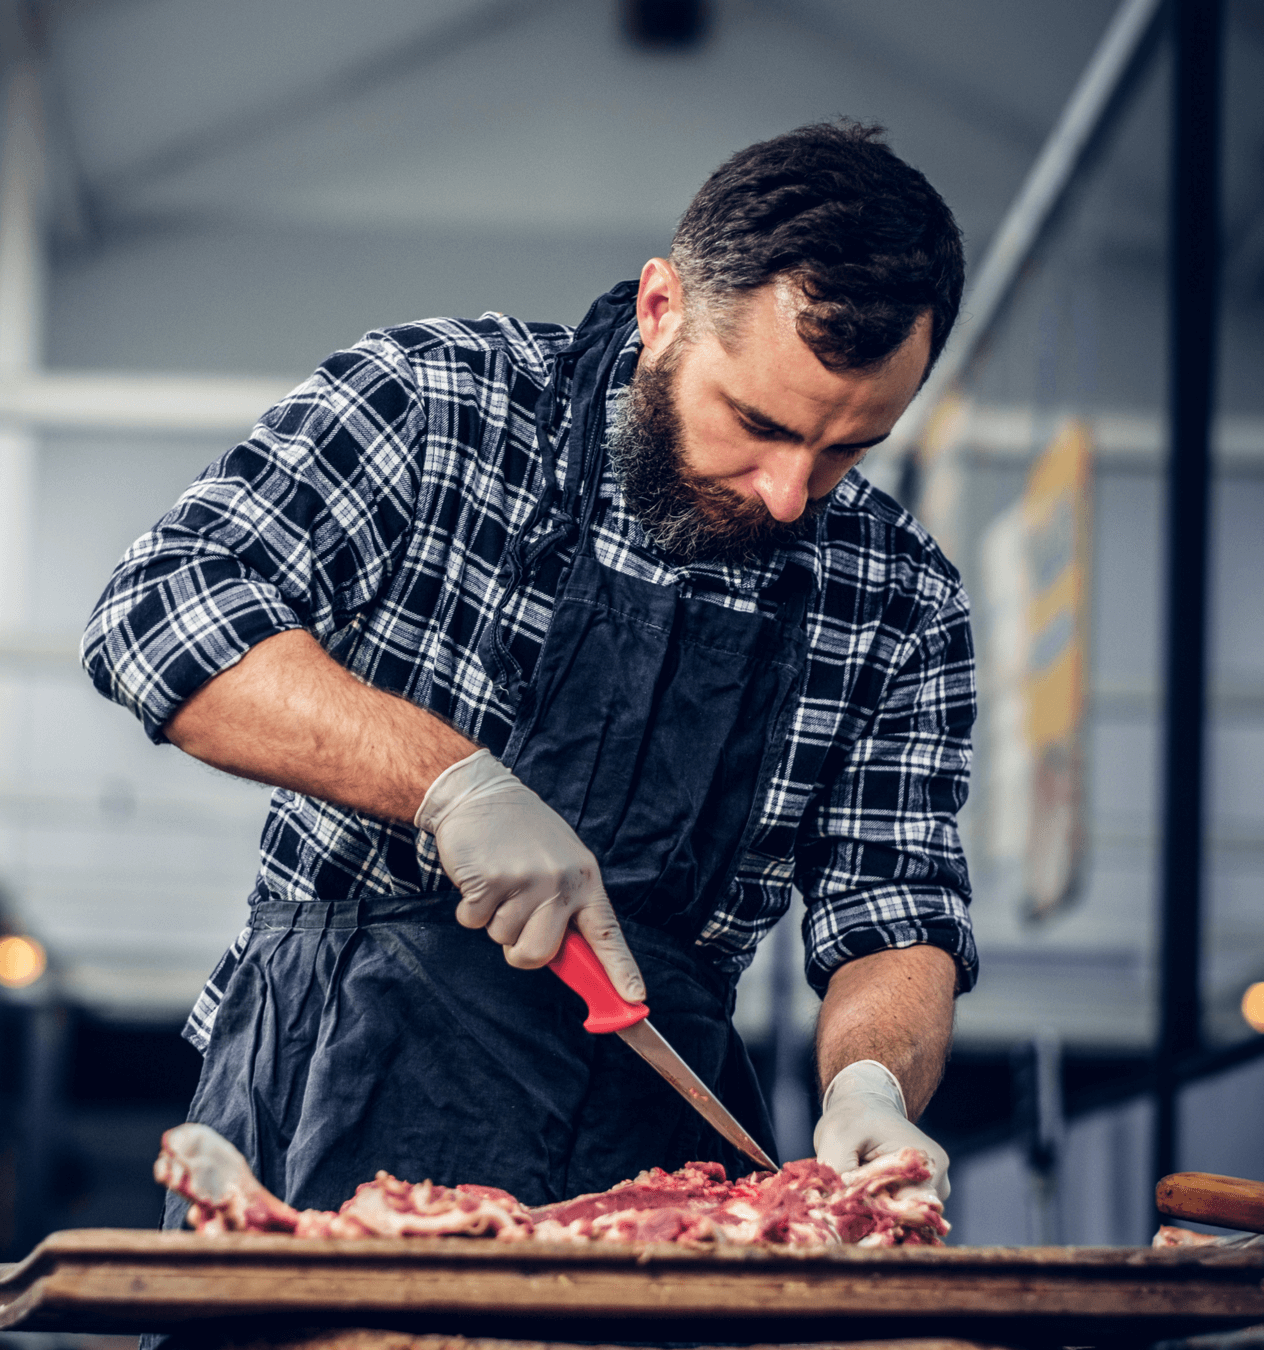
<point x="782" y="483"/>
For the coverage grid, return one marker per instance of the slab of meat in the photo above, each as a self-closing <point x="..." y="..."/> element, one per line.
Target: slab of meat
<point x="806" y="1204"/>
<point x="1171" y="1236"/>
<point x="223" y="1194"/>
<point x="224" y="1197"/>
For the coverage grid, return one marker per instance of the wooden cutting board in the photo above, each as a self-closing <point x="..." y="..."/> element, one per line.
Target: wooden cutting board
<point x="122" y="1280"/>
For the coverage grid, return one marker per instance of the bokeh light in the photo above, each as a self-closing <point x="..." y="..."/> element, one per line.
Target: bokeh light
<point x="22" y="961"/>
<point x="1253" y="1007"/>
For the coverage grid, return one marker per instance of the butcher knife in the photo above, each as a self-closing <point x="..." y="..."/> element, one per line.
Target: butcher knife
<point x="576" y="965"/>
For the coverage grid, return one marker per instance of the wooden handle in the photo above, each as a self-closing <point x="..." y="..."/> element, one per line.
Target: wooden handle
<point x="1204" y="1197"/>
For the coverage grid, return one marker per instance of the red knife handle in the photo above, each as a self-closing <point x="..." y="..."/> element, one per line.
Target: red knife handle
<point x="576" y="965"/>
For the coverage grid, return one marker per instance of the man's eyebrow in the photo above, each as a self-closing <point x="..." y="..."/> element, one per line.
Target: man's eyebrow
<point x="763" y="420"/>
<point x="770" y="424"/>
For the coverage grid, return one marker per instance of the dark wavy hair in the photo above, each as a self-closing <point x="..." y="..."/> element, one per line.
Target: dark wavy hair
<point x="830" y="207"/>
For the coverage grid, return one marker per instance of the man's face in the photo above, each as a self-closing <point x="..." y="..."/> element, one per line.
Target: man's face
<point x="725" y="449"/>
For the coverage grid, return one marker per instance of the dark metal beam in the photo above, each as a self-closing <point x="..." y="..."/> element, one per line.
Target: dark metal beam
<point x="1109" y="1096"/>
<point x="896" y="63"/>
<point x="1194" y="246"/>
<point x="40" y="1121"/>
<point x="1116" y="68"/>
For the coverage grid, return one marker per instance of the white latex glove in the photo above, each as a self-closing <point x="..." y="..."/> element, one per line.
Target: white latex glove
<point x="523" y="873"/>
<point x="863" y="1117"/>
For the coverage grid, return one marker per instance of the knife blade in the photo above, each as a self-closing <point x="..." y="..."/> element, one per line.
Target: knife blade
<point x="577" y="966"/>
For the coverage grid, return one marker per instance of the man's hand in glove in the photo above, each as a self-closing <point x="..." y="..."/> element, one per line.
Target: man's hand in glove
<point x="523" y="873"/>
<point x="863" y="1117"/>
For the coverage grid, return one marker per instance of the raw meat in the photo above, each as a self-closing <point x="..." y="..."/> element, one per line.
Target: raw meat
<point x="224" y="1197"/>
<point x="807" y="1204"/>
<point x="1171" y="1236"/>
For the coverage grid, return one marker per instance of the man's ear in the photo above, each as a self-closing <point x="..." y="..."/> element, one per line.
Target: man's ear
<point x="660" y="306"/>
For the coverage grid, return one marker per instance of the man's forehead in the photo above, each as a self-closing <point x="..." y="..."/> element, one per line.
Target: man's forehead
<point x="768" y="316"/>
<point x="756" y="313"/>
<point x="787" y="298"/>
<point x="771" y="377"/>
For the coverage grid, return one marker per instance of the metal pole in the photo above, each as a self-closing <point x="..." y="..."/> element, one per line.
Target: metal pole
<point x="1193" y="283"/>
<point x="45" y="1067"/>
<point x="1118" y="61"/>
<point x="21" y="325"/>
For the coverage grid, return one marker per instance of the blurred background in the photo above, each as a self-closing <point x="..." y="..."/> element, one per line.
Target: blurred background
<point x="200" y="199"/>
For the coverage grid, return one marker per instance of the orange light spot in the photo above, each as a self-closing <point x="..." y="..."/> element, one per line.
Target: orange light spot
<point x="22" y="961"/>
<point x="1253" y="1007"/>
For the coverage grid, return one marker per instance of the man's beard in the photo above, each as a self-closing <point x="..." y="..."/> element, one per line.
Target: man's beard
<point x="691" y="517"/>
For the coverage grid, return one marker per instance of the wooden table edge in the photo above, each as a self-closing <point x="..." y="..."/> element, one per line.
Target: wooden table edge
<point x="122" y="1275"/>
<point x="111" y="1244"/>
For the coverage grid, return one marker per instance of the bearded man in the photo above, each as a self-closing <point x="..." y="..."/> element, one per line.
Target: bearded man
<point x="535" y="628"/>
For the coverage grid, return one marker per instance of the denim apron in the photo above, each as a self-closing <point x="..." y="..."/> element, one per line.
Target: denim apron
<point x="378" y="1033"/>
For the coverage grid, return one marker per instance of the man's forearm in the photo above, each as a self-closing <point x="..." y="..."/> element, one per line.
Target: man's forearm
<point x="287" y="714"/>
<point x="896" y="1007"/>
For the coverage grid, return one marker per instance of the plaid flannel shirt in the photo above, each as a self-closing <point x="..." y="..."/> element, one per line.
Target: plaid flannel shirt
<point x="372" y="507"/>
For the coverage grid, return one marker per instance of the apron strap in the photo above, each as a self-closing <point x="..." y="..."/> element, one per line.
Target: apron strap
<point x="587" y="363"/>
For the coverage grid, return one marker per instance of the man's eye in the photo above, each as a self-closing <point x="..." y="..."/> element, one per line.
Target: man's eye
<point x="763" y="433"/>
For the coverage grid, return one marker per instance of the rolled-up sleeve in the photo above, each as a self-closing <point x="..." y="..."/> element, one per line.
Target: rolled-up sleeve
<point x="297" y="527"/>
<point x="880" y="861"/>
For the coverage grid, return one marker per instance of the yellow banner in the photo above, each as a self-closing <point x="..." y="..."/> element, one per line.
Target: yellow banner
<point x="1057" y="524"/>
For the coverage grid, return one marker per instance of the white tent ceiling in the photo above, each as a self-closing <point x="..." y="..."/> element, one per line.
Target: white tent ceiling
<point x="535" y="114"/>
<point x="477" y="123"/>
